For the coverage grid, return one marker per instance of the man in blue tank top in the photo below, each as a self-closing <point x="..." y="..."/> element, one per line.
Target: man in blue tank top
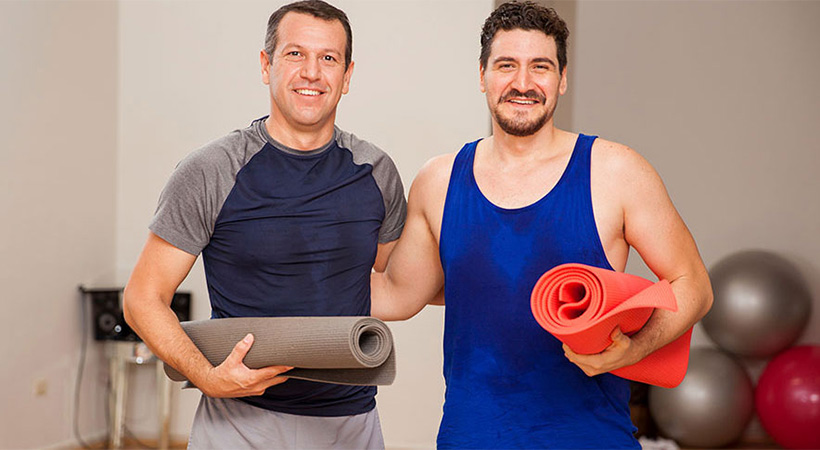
<point x="290" y="215"/>
<point x="486" y="222"/>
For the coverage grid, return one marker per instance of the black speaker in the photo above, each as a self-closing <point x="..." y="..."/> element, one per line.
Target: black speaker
<point x="108" y="320"/>
<point x="181" y="306"/>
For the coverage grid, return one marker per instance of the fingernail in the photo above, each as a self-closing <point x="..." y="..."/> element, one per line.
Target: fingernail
<point x="248" y="338"/>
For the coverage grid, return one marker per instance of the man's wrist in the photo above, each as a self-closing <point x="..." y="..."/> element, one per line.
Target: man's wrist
<point x="641" y="347"/>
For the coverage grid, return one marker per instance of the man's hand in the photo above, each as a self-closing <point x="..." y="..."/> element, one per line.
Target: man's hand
<point x="621" y="353"/>
<point x="233" y="378"/>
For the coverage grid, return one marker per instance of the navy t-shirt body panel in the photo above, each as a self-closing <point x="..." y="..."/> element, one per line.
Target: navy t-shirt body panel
<point x="307" y="237"/>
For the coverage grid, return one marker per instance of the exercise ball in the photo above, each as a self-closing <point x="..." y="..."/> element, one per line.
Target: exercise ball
<point x="711" y="407"/>
<point x="761" y="304"/>
<point x="788" y="397"/>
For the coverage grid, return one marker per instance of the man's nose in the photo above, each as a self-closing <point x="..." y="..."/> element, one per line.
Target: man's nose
<point x="522" y="80"/>
<point x="310" y="69"/>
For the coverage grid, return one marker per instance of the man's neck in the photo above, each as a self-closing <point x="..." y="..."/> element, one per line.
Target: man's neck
<point x="298" y="138"/>
<point x="545" y="143"/>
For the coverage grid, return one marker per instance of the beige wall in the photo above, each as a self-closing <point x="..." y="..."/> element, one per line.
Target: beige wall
<point x="58" y="126"/>
<point x="722" y="98"/>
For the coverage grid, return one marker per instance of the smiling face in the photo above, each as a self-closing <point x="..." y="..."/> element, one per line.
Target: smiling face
<point x="306" y="72"/>
<point x="521" y="81"/>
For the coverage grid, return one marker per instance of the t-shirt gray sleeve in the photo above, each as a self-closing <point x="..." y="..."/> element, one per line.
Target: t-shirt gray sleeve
<point x="193" y="197"/>
<point x="395" y="205"/>
<point x="387" y="178"/>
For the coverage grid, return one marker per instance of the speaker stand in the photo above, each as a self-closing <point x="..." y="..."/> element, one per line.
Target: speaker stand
<point x="121" y="355"/>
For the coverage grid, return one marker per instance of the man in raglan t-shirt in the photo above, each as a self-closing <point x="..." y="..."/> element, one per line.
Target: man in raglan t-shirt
<point x="290" y="215"/>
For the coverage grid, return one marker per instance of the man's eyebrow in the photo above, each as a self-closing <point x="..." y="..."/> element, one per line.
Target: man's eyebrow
<point x="293" y="45"/>
<point x="544" y="60"/>
<point x="503" y="59"/>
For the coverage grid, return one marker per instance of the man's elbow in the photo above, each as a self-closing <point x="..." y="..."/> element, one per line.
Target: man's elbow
<point x="135" y="304"/>
<point x="405" y="315"/>
<point x="707" y="297"/>
<point x="127" y="306"/>
<point x="398" y="312"/>
<point x="392" y="315"/>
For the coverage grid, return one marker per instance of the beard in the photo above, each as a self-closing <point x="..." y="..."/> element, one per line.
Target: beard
<point x="518" y="124"/>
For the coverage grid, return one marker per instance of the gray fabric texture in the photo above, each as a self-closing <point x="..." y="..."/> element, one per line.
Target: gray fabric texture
<point x="225" y="423"/>
<point x="355" y="351"/>
<point x="197" y="189"/>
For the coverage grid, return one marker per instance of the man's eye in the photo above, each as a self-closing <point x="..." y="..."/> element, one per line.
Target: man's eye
<point x="329" y="58"/>
<point x="294" y="53"/>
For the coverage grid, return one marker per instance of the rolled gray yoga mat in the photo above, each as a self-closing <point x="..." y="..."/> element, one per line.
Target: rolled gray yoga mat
<point x="341" y="350"/>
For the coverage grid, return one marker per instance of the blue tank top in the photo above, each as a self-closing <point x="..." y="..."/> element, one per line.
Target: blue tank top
<point x="508" y="382"/>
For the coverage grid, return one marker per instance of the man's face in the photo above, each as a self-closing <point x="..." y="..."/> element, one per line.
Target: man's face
<point x="521" y="80"/>
<point x="306" y="73"/>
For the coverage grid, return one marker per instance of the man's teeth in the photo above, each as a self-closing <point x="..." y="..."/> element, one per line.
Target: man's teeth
<point x="307" y="92"/>
<point x="523" y="102"/>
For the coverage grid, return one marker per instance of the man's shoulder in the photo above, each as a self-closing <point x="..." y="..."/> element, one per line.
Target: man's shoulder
<point x="231" y="150"/>
<point x="437" y="170"/>
<point x="434" y="177"/>
<point x="620" y="169"/>
<point x="616" y="158"/>
<point x="439" y="166"/>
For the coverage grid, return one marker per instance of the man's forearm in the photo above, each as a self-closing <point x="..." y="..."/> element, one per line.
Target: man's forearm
<point x="158" y="326"/>
<point x="694" y="298"/>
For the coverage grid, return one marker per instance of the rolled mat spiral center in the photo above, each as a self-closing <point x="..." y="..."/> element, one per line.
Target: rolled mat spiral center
<point x="581" y="305"/>
<point x="341" y="350"/>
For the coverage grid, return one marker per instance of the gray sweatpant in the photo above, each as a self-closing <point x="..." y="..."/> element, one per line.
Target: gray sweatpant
<point x="225" y="423"/>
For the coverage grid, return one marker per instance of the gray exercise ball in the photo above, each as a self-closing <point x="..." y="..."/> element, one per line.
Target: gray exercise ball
<point x="711" y="407"/>
<point x="761" y="306"/>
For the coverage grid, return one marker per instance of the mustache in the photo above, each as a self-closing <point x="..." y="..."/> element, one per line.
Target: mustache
<point x="531" y="94"/>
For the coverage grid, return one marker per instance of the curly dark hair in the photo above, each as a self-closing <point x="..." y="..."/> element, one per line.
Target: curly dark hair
<point x="525" y="16"/>
<point x="315" y="8"/>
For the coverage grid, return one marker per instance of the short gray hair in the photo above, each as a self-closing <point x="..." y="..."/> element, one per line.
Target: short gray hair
<point x="316" y="8"/>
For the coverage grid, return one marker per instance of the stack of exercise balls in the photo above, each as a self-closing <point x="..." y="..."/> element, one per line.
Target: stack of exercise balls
<point x="761" y="307"/>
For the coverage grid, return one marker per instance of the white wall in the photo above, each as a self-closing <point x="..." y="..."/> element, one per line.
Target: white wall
<point x="58" y="126"/>
<point x="190" y="73"/>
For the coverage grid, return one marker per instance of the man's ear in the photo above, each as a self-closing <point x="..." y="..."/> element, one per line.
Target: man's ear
<point x="264" y="61"/>
<point x="348" y="75"/>
<point x="562" y="87"/>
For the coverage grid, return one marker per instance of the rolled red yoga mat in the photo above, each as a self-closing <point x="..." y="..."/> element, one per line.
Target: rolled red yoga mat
<point x="581" y="305"/>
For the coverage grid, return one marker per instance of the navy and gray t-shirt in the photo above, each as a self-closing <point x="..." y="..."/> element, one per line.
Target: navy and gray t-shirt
<point x="284" y="232"/>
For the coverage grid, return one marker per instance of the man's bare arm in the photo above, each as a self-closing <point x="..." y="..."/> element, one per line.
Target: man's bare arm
<point x="654" y="228"/>
<point x="146" y="303"/>
<point x="413" y="276"/>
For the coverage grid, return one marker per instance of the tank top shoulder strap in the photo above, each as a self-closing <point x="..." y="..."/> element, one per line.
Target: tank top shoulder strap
<point x="462" y="169"/>
<point x="579" y="164"/>
<point x="463" y="163"/>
